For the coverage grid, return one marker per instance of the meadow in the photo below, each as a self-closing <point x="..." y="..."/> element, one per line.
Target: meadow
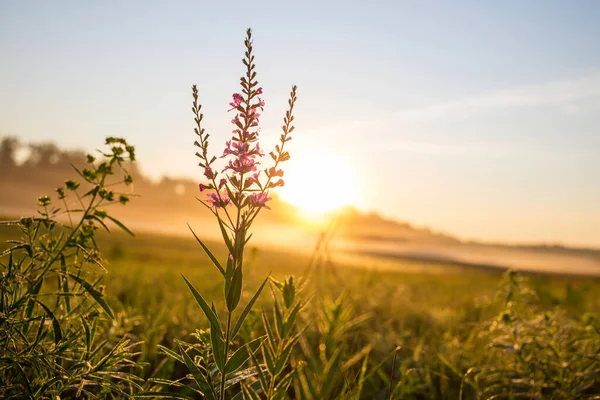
<point x="424" y="330"/>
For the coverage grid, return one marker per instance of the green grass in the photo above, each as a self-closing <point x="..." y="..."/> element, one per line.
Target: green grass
<point x="436" y="316"/>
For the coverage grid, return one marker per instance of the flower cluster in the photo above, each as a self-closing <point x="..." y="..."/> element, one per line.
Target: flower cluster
<point x="239" y="183"/>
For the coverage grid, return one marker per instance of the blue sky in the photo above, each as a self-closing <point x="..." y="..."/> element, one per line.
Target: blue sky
<point x="476" y="118"/>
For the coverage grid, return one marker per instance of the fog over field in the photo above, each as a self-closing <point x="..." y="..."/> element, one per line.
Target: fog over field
<point x="363" y="239"/>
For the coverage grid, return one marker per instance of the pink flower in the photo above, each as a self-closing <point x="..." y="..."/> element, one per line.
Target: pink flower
<point x="253" y="179"/>
<point x="222" y="182"/>
<point x="259" y="90"/>
<point x="208" y="172"/>
<point x="241" y="165"/>
<point x="202" y="187"/>
<point x="259" y="200"/>
<point x="213" y="200"/>
<point x="237" y="100"/>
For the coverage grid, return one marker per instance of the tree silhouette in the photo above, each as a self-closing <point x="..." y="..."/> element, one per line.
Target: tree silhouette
<point x="8" y="150"/>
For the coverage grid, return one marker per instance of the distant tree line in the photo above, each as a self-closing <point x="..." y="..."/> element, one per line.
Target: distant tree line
<point x="17" y="158"/>
<point x="29" y="169"/>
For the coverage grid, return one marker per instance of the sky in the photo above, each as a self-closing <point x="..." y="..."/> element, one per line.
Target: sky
<point x="477" y="119"/>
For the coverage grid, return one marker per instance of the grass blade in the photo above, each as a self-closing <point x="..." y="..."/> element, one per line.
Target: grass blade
<point x="208" y="252"/>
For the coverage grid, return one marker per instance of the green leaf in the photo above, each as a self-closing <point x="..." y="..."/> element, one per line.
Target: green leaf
<point x="40" y="334"/>
<point x="249" y="393"/>
<point x="283" y="357"/>
<point x="256" y="386"/>
<point x="33" y="293"/>
<point x="278" y="320"/>
<point x="225" y="236"/>
<point x="332" y="372"/>
<point x="272" y="337"/>
<point x="23" y="375"/>
<point x="171" y="353"/>
<point x="242" y="355"/>
<point x="212" y="317"/>
<point x="44" y="388"/>
<point x="261" y="376"/>
<point x="289" y="292"/>
<point x="361" y="378"/>
<point x="88" y="336"/>
<point x="289" y="322"/>
<point x="308" y="387"/>
<point x="96" y="218"/>
<point x="65" y="282"/>
<point x="229" y="271"/>
<point x="282" y="386"/>
<point x="247" y="309"/>
<point x="218" y="349"/>
<point x="203" y="383"/>
<point x="55" y="324"/>
<point x="120" y="225"/>
<point x="235" y="289"/>
<point x="94" y="293"/>
<point x="269" y="359"/>
<point x="208" y="252"/>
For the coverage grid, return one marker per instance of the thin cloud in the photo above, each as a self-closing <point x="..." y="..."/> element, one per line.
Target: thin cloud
<point x="419" y="147"/>
<point x="560" y="93"/>
<point x="581" y="92"/>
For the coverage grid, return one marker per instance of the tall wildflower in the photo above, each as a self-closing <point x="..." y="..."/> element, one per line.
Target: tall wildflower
<point x="235" y="195"/>
<point x="243" y="183"/>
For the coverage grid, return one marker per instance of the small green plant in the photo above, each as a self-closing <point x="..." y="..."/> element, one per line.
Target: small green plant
<point x="330" y="365"/>
<point x="55" y="336"/>
<point x="275" y="373"/>
<point x="537" y="353"/>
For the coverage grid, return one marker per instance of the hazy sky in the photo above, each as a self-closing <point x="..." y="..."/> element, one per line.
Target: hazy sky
<point x="477" y="118"/>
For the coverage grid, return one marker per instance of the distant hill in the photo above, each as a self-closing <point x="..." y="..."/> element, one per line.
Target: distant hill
<point x="28" y="171"/>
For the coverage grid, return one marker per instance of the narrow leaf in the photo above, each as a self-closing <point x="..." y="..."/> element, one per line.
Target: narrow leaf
<point x="205" y="386"/>
<point x="242" y="355"/>
<point x="94" y="293"/>
<point x="208" y="252"/>
<point x="247" y="309"/>
<point x="249" y="393"/>
<point x="120" y="225"/>
<point x="235" y="289"/>
<point x="55" y="324"/>
<point x="226" y="236"/>
<point x="218" y="348"/>
<point x="212" y="317"/>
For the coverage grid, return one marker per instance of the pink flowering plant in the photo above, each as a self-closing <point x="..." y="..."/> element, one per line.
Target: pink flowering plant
<point x="235" y="194"/>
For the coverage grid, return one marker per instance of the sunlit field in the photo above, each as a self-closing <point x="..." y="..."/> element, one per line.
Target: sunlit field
<point x="423" y="329"/>
<point x="298" y="263"/>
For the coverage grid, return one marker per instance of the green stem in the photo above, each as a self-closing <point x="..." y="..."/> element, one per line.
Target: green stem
<point x="48" y="264"/>
<point x="227" y="333"/>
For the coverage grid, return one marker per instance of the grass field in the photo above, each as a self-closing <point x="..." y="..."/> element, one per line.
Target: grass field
<point x="435" y="330"/>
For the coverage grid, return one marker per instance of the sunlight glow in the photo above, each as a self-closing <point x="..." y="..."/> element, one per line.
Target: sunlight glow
<point x="319" y="182"/>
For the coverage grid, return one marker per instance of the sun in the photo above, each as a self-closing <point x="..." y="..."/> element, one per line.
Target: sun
<point x="319" y="182"/>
